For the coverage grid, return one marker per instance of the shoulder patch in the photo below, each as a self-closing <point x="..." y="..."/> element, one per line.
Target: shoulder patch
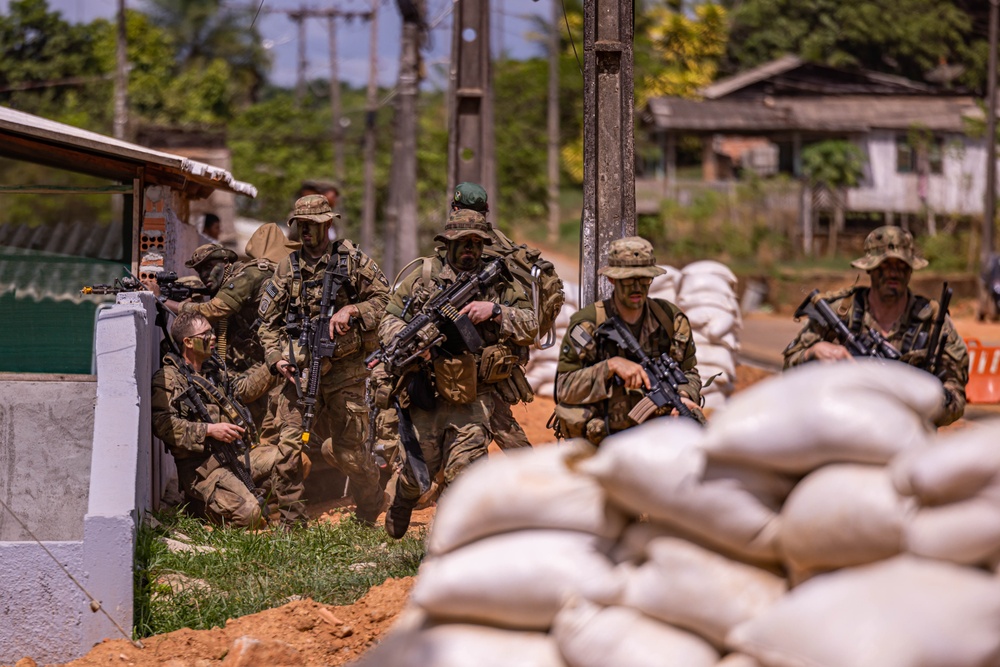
<point x="271" y="289"/>
<point x="580" y="338"/>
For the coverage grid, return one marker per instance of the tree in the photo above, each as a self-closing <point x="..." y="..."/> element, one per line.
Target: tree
<point x="835" y="164"/>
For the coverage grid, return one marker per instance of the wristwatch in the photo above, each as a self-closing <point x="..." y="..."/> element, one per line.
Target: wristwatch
<point x="496" y="310"/>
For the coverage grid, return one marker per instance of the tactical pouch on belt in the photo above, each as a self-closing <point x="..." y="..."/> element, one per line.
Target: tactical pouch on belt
<point x="369" y="340"/>
<point x="515" y="389"/>
<point x="496" y="364"/>
<point x="570" y="421"/>
<point x="455" y="378"/>
<point x="347" y="344"/>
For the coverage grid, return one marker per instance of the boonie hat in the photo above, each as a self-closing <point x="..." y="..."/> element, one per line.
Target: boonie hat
<point x="210" y="251"/>
<point x="631" y="257"/>
<point x="465" y="222"/>
<point x="471" y="195"/>
<point x="312" y="207"/>
<point x="889" y="242"/>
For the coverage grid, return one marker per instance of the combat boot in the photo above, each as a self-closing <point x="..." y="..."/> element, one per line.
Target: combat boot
<point x="367" y="517"/>
<point x="397" y="519"/>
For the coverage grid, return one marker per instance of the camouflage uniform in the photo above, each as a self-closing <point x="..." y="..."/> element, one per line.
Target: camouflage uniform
<point x="910" y="334"/>
<point x="582" y="384"/>
<point x="341" y="411"/>
<point x="454" y="435"/>
<point x="210" y="488"/>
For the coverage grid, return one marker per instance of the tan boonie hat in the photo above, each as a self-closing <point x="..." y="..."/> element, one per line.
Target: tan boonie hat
<point x="210" y="251"/>
<point x="889" y="242"/>
<point x="465" y="222"/>
<point x="312" y="207"/>
<point x="631" y="257"/>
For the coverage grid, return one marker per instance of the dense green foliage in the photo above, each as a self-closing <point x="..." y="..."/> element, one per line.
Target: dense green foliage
<point x="246" y="572"/>
<point x="835" y="163"/>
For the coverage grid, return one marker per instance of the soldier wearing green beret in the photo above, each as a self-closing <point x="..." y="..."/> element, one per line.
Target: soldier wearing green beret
<point x="902" y="318"/>
<point x="596" y="385"/>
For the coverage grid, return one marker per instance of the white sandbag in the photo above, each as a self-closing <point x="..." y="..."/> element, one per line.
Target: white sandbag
<point x="592" y="636"/>
<point x="546" y="389"/>
<point x="965" y="532"/>
<point x="656" y="470"/>
<point x="692" y="283"/>
<point x="699" y="590"/>
<point x="715" y="401"/>
<point x="738" y="660"/>
<point x="724" y="302"/>
<point x="710" y="266"/>
<point x="903" y="612"/>
<point x="717" y="356"/>
<point x="528" y="488"/>
<point x="710" y="321"/>
<point x="863" y="412"/>
<point x="955" y="467"/>
<point x="463" y="645"/>
<point x="841" y="515"/>
<point x="728" y="341"/>
<point x="515" y="580"/>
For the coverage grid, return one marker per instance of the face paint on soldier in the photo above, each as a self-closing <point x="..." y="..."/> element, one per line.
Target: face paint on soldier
<point x="630" y="293"/>
<point x="314" y="234"/>
<point x="890" y="279"/>
<point x="203" y="342"/>
<point x="211" y="273"/>
<point x="464" y="253"/>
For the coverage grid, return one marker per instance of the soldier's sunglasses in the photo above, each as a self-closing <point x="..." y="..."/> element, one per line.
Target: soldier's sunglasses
<point x="645" y="281"/>
<point x="206" y="335"/>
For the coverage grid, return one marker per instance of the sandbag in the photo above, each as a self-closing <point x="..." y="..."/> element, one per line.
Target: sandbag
<point x="515" y="580"/>
<point x="656" y="470"/>
<point x="956" y="467"/>
<point x="719" y="300"/>
<point x="710" y="266"/>
<point x="902" y="612"/>
<point x="710" y="321"/>
<point x="692" y="283"/>
<point x="841" y="515"/>
<point x="592" y="636"/>
<point x="462" y="645"/>
<point x="528" y="488"/>
<point x="717" y="356"/>
<point x="965" y="532"/>
<point x="863" y="412"/>
<point x="728" y="341"/>
<point x="699" y="590"/>
<point x="738" y="660"/>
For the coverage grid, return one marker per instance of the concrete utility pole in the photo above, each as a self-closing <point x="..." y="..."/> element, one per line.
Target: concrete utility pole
<point x="405" y="156"/>
<point x="371" y="111"/>
<point x="989" y="207"/>
<point x="299" y="18"/>
<point x="121" y="76"/>
<point x="553" y="123"/>
<point x="470" y="137"/>
<point x="608" y="141"/>
<point x="337" y="130"/>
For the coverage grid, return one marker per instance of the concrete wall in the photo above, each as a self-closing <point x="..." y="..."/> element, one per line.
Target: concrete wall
<point x="43" y="614"/>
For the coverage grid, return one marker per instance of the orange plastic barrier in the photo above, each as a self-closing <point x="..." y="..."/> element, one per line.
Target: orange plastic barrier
<point x="984" y="373"/>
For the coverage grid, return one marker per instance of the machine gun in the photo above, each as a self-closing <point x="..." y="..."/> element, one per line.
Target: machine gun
<point x="665" y="374"/>
<point x="314" y="335"/>
<point x="439" y="322"/>
<point x="234" y="456"/>
<point x="869" y="344"/>
<point x="170" y="289"/>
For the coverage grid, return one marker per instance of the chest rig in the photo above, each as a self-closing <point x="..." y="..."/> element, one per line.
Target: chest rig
<point x="914" y="338"/>
<point x="299" y="306"/>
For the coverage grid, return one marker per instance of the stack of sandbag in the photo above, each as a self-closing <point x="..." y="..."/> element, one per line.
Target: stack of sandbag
<point x="666" y="286"/>
<point x="541" y="369"/>
<point x="818" y="521"/>
<point x="706" y="292"/>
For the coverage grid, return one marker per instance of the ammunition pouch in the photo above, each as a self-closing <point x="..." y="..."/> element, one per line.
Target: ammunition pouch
<point x="570" y="421"/>
<point x="515" y="389"/>
<point x="347" y="344"/>
<point x="496" y="364"/>
<point x="455" y="378"/>
<point x="369" y="340"/>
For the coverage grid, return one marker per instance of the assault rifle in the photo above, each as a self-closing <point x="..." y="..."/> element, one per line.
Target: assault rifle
<point x="314" y="335"/>
<point x="439" y="322"/>
<point x="935" y="347"/>
<point x="665" y="374"/>
<point x="868" y="344"/>
<point x="170" y="289"/>
<point x="234" y="456"/>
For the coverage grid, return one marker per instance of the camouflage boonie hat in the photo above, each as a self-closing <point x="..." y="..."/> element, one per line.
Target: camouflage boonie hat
<point x="889" y="242"/>
<point x="471" y="195"/>
<point x="631" y="257"/>
<point x="210" y="251"/>
<point x="312" y="207"/>
<point x="465" y="222"/>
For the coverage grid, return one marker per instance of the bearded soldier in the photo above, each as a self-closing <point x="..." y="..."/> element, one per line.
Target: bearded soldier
<point x="292" y="300"/>
<point x="450" y="395"/>
<point x="888" y="307"/>
<point x="597" y="386"/>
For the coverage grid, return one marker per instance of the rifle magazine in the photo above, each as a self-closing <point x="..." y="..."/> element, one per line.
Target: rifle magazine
<point x="643" y="410"/>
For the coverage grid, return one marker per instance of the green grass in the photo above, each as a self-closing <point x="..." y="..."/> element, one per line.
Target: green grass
<point x="250" y="572"/>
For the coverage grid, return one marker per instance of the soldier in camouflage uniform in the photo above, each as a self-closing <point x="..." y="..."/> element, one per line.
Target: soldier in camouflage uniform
<point x="294" y="293"/>
<point x="451" y="412"/>
<point x="890" y="308"/>
<point x="596" y="385"/>
<point x="210" y="489"/>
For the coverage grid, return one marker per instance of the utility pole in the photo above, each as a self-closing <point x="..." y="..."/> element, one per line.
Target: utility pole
<point x="299" y="18"/>
<point x="121" y="76"/>
<point x="989" y="207"/>
<point x="553" y="124"/>
<point x="371" y="111"/>
<point x="608" y="140"/>
<point x="405" y="158"/>
<point x="470" y="139"/>
<point x="338" y="131"/>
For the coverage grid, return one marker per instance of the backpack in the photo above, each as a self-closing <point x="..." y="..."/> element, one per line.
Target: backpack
<point x="539" y="279"/>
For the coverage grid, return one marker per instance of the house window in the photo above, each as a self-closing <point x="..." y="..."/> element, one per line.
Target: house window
<point x="910" y="156"/>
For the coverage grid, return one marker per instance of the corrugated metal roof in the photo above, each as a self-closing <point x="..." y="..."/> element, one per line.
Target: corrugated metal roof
<point x="727" y="85"/>
<point x="159" y="164"/>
